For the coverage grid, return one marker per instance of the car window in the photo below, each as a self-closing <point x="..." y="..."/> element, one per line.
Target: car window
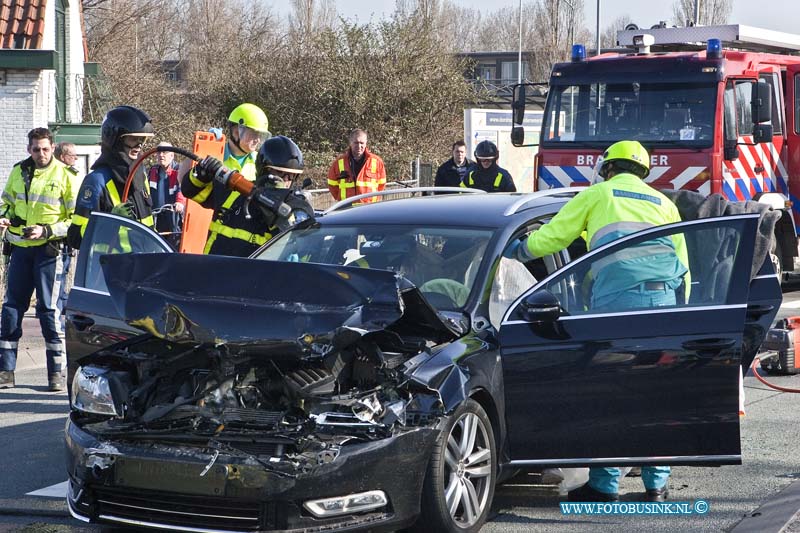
<point x="108" y="234"/>
<point x="443" y="262"/>
<point x="646" y="273"/>
<point x="512" y="278"/>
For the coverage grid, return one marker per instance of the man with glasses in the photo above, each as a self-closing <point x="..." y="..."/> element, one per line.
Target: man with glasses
<point x="65" y="152"/>
<point x="488" y="176"/>
<point x="37" y="206"/>
<point x="124" y="131"/>
<point x="230" y="232"/>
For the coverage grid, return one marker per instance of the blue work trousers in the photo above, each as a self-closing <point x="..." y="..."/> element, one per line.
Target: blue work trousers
<point x="638" y="297"/>
<point x="654" y="477"/>
<point x="62" y="292"/>
<point x="607" y="479"/>
<point x="32" y="269"/>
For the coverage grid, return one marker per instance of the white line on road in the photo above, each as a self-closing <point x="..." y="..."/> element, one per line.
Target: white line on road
<point x="791" y="305"/>
<point x="59" y="490"/>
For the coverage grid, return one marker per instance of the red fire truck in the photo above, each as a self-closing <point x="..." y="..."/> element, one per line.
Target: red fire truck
<point x="717" y="107"/>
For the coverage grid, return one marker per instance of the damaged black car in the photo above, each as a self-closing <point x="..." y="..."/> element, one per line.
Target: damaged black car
<point x="386" y="366"/>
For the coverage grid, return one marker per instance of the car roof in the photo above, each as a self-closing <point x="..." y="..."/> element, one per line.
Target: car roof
<point x="485" y="210"/>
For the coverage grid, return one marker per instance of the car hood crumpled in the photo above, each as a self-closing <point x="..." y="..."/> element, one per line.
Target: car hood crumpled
<point x="230" y="300"/>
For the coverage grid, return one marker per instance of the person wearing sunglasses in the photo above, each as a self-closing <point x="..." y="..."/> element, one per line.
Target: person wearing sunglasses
<point x="124" y="132"/>
<point x="37" y="205"/>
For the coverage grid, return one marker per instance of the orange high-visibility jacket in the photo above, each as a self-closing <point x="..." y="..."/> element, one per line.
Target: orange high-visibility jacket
<point x="342" y="184"/>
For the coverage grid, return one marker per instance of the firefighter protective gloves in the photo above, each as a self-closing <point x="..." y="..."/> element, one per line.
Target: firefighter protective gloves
<point x="207" y="169"/>
<point x="125" y="209"/>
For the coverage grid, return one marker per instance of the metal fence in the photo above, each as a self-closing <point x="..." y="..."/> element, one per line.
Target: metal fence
<point x="321" y="199"/>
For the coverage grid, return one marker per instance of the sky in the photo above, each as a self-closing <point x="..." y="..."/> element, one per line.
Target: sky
<point x="781" y="15"/>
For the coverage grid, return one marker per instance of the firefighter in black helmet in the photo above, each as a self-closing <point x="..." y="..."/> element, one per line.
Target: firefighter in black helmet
<point x="278" y="164"/>
<point x="124" y="131"/>
<point x="488" y="176"/>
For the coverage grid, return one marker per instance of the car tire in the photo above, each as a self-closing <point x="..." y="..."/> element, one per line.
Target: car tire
<point x="459" y="484"/>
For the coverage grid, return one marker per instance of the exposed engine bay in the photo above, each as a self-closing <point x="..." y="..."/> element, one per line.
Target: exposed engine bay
<point x="289" y="402"/>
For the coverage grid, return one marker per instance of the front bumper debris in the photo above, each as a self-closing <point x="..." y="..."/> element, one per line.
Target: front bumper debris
<point x="156" y="485"/>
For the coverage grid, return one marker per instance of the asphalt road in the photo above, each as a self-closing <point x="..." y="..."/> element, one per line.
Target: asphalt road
<point x="740" y="498"/>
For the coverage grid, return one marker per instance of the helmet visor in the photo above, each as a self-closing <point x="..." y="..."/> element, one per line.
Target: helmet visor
<point x="135" y="140"/>
<point x="596" y="177"/>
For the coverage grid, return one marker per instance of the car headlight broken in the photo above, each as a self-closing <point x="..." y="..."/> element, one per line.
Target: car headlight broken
<point x="91" y="392"/>
<point x="352" y="503"/>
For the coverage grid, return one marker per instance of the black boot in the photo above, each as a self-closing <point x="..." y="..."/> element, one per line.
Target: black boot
<point x="656" y="495"/>
<point x="55" y="382"/>
<point x="585" y="493"/>
<point x="6" y="379"/>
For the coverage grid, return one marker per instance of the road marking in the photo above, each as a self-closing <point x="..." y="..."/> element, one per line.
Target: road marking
<point x="791" y="305"/>
<point x="59" y="490"/>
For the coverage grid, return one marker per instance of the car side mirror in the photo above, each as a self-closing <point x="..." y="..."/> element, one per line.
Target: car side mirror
<point x="541" y="306"/>
<point x="731" y="150"/>
<point x="762" y="133"/>
<point x="518" y="105"/>
<point x="517" y="135"/>
<point x="761" y="103"/>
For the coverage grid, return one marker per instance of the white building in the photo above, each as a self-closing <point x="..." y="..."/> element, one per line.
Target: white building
<point x="42" y="72"/>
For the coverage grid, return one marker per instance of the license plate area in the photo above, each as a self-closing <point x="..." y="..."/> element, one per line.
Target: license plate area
<point x="170" y="477"/>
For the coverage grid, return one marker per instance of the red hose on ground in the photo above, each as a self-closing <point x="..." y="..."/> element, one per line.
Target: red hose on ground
<point x="767" y="383"/>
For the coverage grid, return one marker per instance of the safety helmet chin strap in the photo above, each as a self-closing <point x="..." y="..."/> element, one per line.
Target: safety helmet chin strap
<point x="236" y="140"/>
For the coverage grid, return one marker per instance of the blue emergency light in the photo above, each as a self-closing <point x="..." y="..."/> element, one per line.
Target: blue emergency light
<point x="578" y="53"/>
<point x="714" y="49"/>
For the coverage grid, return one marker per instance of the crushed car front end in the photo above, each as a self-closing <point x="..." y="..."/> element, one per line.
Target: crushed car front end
<point x="259" y="406"/>
<point x="242" y="486"/>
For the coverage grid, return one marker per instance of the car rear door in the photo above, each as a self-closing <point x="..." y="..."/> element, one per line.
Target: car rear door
<point x="634" y="386"/>
<point x="92" y="321"/>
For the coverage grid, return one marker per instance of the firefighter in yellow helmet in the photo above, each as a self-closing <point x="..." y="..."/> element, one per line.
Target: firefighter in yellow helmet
<point x="248" y="127"/>
<point x="619" y="205"/>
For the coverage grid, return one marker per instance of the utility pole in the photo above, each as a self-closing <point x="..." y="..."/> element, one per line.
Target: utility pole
<point x="571" y="5"/>
<point x="696" y="12"/>
<point x="519" y="56"/>
<point x="598" y="33"/>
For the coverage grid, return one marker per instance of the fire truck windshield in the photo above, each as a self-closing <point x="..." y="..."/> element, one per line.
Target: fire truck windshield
<point x="679" y="114"/>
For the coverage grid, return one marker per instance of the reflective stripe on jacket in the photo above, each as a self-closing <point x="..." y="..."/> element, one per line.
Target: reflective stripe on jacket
<point x="48" y="200"/>
<point x="492" y="179"/>
<point x="470" y="181"/>
<point x="371" y="178"/>
<point x="229" y="233"/>
<point x="607" y="211"/>
<point x="200" y="192"/>
<point x="99" y="192"/>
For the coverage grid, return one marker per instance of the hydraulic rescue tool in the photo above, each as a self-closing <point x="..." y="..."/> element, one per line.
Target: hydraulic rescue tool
<point x="282" y="206"/>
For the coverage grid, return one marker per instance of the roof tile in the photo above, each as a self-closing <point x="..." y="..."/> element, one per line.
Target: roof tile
<point x="22" y="23"/>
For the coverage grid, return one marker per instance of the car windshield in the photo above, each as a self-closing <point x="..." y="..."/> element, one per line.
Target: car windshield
<point x="680" y="114"/>
<point x="441" y="262"/>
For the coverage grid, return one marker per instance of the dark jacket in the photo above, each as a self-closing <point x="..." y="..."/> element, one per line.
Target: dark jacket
<point x="492" y="179"/>
<point x="103" y="188"/>
<point x="449" y="175"/>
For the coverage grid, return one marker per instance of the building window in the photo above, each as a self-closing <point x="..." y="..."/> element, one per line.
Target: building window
<point x="509" y="71"/>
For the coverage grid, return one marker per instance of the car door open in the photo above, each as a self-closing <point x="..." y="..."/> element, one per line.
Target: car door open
<point x="92" y="321"/>
<point x="632" y="385"/>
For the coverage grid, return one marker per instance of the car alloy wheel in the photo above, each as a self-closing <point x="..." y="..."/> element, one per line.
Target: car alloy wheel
<point x="459" y="484"/>
<point x="468" y="469"/>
